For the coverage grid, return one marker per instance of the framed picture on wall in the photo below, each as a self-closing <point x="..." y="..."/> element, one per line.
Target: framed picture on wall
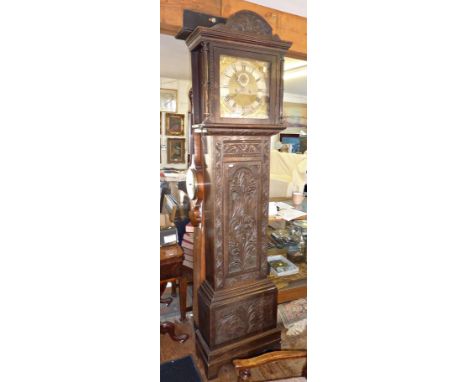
<point x="175" y="124"/>
<point x="168" y="100"/>
<point x="175" y="150"/>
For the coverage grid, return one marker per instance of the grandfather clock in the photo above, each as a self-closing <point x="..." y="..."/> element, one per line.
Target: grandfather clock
<point x="237" y="86"/>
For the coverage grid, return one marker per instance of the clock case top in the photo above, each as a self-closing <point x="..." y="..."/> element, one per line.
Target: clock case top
<point x="245" y="35"/>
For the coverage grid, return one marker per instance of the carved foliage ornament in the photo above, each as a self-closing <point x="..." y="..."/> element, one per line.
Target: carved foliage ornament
<point x="218" y="218"/>
<point x="247" y="192"/>
<point x="242" y="148"/>
<point x="265" y="200"/>
<point x="236" y="320"/>
<point x="243" y="216"/>
<point x="249" y="22"/>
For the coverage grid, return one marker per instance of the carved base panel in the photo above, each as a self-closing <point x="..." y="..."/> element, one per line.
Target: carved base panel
<point x="237" y="321"/>
<point x="213" y="359"/>
<point x="229" y="315"/>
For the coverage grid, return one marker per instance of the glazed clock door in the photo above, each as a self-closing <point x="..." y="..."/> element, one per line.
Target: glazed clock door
<point x="244" y="87"/>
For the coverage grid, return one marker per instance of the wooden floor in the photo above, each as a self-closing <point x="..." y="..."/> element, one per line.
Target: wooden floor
<point x="173" y="350"/>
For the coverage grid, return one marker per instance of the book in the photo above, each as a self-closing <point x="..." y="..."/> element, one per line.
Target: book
<point x="188" y="251"/>
<point x="188" y="237"/>
<point x="280" y="266"/>
<point x="188" y="261"/>
<point x="187" y="244"/>
<point x="189" y="228"/>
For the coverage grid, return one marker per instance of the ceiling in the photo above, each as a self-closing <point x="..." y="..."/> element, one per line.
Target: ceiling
<point x="297" y="7"/>
<point x="175" y="63"/>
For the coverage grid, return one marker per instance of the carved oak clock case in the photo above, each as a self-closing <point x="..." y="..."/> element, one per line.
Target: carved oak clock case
<point x="237" y="96"/>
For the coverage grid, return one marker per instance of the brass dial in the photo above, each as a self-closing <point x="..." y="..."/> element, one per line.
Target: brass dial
<point x="244" y="87"/>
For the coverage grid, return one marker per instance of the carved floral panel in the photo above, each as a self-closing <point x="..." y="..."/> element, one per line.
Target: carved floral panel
<point x="242" y="148"/>
<point x="246" y="317"/>
<point x="243" y="198"/>
<point x="240" y="210"/>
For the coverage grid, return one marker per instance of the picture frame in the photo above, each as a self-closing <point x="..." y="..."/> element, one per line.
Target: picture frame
<point x="175" y="150"/>
<point x="175" y="124"/>
<point x="168" y="100"/>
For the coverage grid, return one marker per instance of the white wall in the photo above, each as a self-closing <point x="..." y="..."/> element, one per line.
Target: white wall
<point x="289" y="97"/>
<point x="183" y="105"/>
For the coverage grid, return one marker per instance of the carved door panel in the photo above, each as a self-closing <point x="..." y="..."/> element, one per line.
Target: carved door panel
<point x="241" y="209"/>
<point x="242" y="219"/>
<point x="244" y="318"/>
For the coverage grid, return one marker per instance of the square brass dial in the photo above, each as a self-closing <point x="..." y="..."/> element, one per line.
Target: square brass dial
<point x="244" y="87"/>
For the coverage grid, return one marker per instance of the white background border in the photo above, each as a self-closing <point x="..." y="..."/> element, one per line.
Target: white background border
<point x="79" y="123"/>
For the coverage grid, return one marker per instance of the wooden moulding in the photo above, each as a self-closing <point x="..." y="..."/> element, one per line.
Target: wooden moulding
<point x="243" y="130"/>
<point x="214" y="359"/>
<point x="218" y="33"/>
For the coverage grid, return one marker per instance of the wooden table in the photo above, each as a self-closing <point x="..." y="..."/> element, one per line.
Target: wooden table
<point x="290" y="287"/>
<point x="296" y="286"/>
<point x="171" y="258"/>
<point x="171" y="271"/>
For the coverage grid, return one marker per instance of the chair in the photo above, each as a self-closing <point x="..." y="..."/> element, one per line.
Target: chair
<point x="243" y="366"/>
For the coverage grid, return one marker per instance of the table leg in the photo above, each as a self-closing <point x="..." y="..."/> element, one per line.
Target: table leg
<point x="166" y="301"/>
<point x="183" y="297"/>
<point x="162" y="288"/>
<point x="169" y="328"/>
<point x="174" y="289"/>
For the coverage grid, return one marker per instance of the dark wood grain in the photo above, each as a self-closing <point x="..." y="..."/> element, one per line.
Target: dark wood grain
<point x="268" y="357"/>
<point x="244" y="366"/>
<point x="292" y="293"/>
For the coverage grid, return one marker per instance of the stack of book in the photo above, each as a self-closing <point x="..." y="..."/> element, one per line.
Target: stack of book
<point x="187" y="245"/>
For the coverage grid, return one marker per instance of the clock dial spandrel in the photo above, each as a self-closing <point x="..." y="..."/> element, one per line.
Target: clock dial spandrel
<point x="244" y="87"/>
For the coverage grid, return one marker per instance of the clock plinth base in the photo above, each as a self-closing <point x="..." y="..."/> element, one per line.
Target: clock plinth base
<point x="213" y="359"/>
<point x="239" y="321"/>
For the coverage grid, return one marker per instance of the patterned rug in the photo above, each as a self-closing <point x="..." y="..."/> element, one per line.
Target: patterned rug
<point x="293" y="315"/>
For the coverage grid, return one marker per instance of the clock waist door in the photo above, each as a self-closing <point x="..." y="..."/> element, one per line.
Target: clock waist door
<point x="240" y="211"/>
